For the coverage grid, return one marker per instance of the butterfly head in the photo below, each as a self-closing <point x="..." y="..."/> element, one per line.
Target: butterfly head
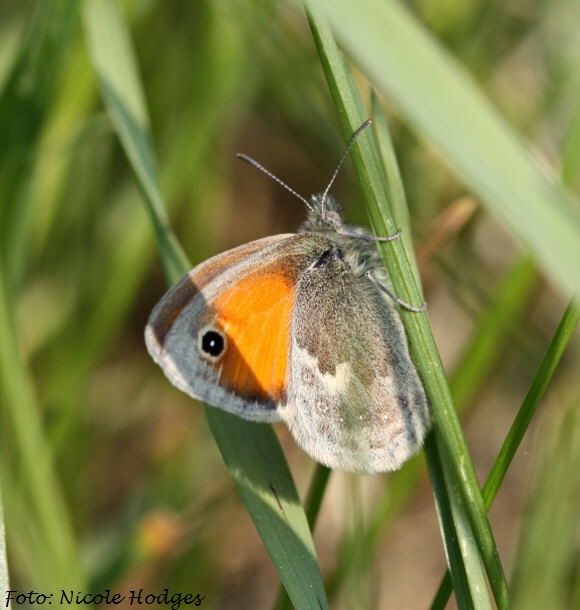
<point x="324" y="216"/>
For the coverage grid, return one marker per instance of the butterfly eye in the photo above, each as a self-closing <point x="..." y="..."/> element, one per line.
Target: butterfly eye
<point x="212" y="343"/>
<point x="327" y="257"/>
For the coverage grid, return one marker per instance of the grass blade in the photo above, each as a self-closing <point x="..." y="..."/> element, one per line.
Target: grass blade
<point x="313" y="503"/>
<point x="446" y="517"/>
<point x="36" y="511"/>
<point x="38" y="483"/>
<point x="530" y="404"/>
<point x="258" y="467"/>
<point x="316" y="493"/>
<point x="467" y="542"/>
<point x="442" y="102"/>
<point x="267" y="489"/>
<point x="521" y="422"/>
<point x="546" y="567"/>
<point x="27" y="99"/>
<point x="113" y="61"/>
<point x="448" y="432"/>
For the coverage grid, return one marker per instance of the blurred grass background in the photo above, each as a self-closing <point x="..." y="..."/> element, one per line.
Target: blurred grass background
<point x="139" y="494"/>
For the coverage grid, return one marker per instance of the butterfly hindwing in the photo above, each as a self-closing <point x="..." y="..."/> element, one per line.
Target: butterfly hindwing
<point x="358" y="404"/>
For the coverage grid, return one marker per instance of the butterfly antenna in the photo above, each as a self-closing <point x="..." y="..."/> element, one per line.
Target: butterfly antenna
<point x="273" y="177"/>
<point x="354" y="136"/>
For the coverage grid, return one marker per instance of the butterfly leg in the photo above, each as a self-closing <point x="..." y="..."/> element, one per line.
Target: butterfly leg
<point x="394" y="296"/>
<point x="365" y="237"/>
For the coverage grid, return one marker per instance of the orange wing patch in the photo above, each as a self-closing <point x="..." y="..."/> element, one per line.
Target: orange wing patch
<point x="179" y="297"/>
<point x="255" y="314"/>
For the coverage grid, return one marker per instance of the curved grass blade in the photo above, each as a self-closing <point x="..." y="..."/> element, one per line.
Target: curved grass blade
<point x="29" y="90"/>
<point x="508" y="302"/>
<point x="316" y="493"/>
<point x="114" y="62"/>
<point x="447" y="431"/>
<point x="530" y="404"/>
<point x="546" y="566"/>
<point x="36" y="485"/>
<point x="258" y="467"/>
<point x="394" y="182"/>
<point x="312" y="504"/>
<point x="36" y="511"/>
<point x="520" y="424"/>
<point x="443" y="103"/>
<point x="445" y="514"/>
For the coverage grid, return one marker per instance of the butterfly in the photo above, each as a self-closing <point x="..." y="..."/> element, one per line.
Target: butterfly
<point x="300" y="328"/>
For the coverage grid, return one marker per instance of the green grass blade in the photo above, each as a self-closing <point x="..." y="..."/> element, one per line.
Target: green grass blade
<point x="27" y="99"/>
<point x="546" y="566"/>
<point x="251" y="451"/>
<point x="445" y="514"/>
<point x="467" y="542"/>
<point x="113" y="61"/>
<point x="442" y="102"/>
<point x="506" y="307"/>
<point x="312" y="504"/>
<point x="443" y="593"/>
<point x="316" y="493"/>
<point x="530" y="404"/>
<point x="395" y="187"/>
<point x="37" y="515"/>
<point x="264" y="481"/>
<point x="520" y="424"/>
<point x="21" y="419"/>
<point x="447" y="430"/>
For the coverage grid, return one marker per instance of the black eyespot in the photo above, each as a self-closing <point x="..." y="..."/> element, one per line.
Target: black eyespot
<point x="212" y="343"/>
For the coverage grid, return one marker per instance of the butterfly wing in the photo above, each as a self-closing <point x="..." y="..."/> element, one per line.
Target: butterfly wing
<point x="222" y="334"/>
<point x="357" y="401"/>
<point x="282" y="328"/>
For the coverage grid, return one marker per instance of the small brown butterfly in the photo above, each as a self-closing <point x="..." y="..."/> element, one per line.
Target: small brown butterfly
<point x="300" y="328"/>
